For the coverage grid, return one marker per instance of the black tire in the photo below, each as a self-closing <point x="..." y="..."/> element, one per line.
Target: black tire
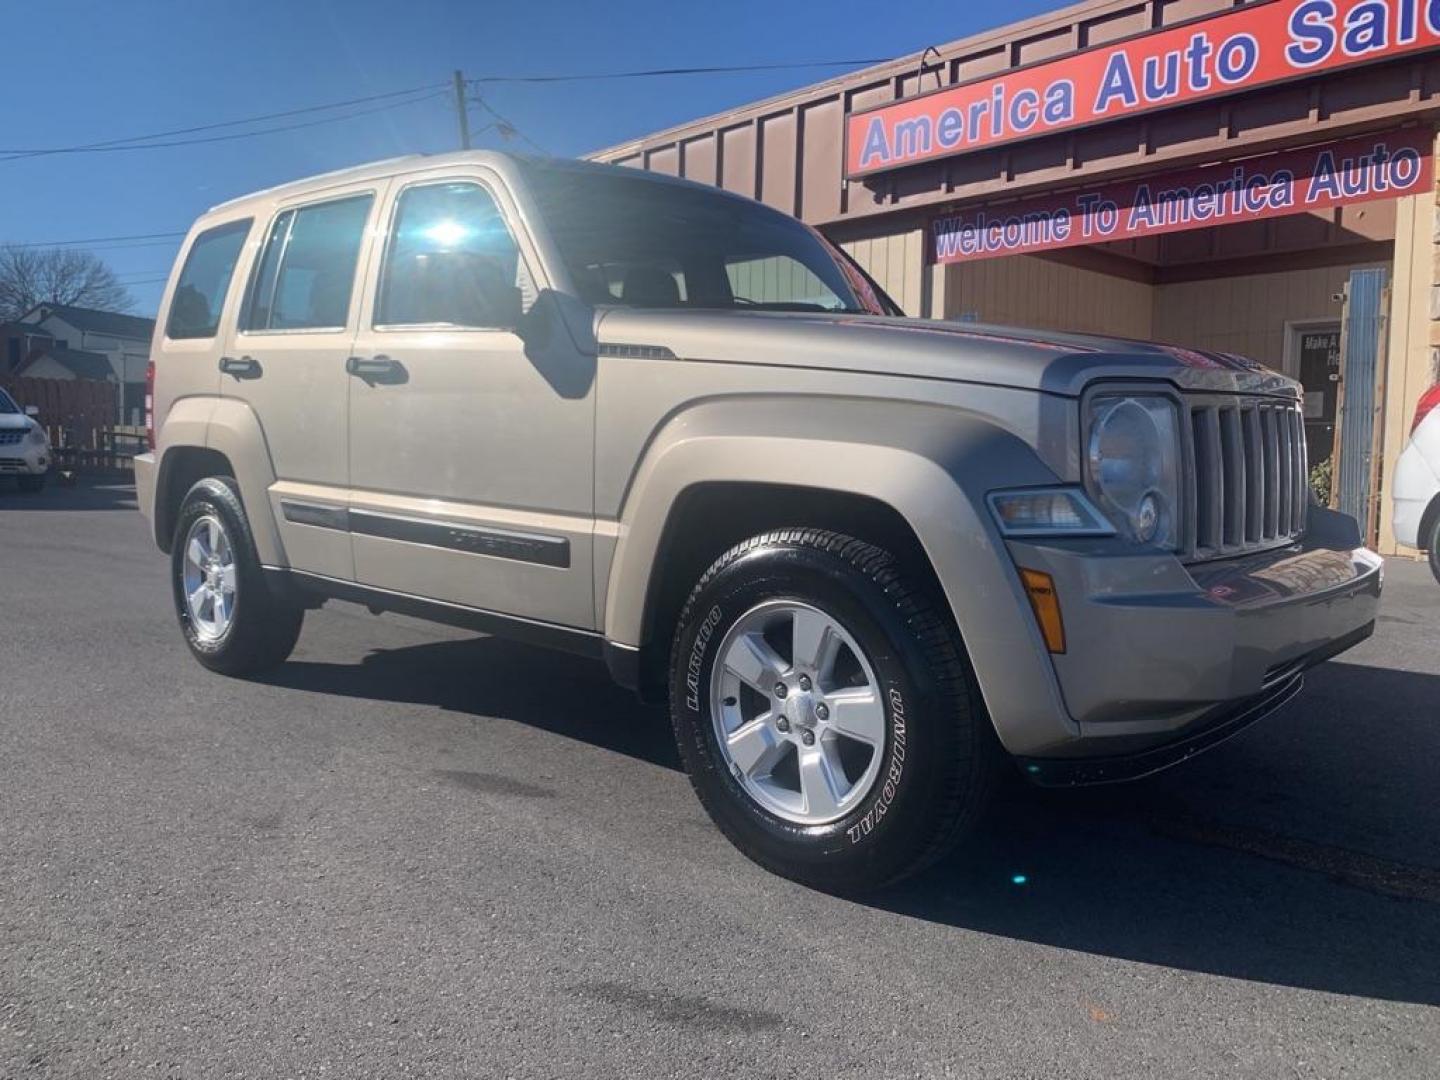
<point x="33" y="484"/>
<point x="941" y="757"/>
<point x="1435" y="548"/>
<point x="264" y="626"/>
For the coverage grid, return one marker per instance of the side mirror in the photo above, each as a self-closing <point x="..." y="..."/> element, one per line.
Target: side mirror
<point x="32" y="411"/>
<point x="536" y="326"/>
<point x="508" y="305"/>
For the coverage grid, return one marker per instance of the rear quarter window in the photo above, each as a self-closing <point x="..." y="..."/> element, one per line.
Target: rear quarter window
<point x="205" y="280"/>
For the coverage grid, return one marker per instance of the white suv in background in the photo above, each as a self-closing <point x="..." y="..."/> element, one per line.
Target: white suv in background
<point x="1417" y="481"/>
<point x="24" y="446"/>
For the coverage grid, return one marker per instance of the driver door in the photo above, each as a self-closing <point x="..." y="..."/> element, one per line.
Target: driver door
<point x="471" y="464"/>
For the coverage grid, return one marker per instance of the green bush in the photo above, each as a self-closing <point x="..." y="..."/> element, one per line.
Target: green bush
<point x="1322" y="476"/>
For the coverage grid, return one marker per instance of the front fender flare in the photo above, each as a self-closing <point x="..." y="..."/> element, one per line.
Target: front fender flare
<point x="933" y="465"/>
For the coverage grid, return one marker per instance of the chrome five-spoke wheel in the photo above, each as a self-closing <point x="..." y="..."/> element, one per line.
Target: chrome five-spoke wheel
<point x="209" y="578"/>
<point x="798" y="712"/>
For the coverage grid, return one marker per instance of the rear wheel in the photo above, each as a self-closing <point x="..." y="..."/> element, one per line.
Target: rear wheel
<point x="232" y="621"/>
<point x="826" y="712"/>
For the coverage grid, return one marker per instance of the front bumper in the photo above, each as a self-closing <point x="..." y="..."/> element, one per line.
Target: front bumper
<point x="144" y="465"/>
<point x="1414" y="487"/>
<point x="1165" y="659"/>
<point x="24" y="459"/>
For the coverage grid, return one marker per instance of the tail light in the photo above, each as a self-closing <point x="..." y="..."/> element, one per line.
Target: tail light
<point x="1429" y="401"/>
<point x="150" y="404"/>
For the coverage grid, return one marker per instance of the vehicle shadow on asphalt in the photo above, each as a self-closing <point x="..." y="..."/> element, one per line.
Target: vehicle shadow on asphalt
<point x="1251" y="862"/>
<point x="565" y="695"/>
<point x="1302" y="853"/>
<point x="84" y="495"/>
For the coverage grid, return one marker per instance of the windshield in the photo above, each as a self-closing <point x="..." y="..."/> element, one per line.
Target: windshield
<point x="637" y="242"/>
<point x="7" y="404"/>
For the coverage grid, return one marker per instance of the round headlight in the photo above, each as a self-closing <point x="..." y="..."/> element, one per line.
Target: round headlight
<point x="1133" y="458"/>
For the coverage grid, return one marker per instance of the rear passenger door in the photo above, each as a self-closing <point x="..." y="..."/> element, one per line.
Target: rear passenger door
<point x="471" y="455"/>
<point x="287" y="361"/>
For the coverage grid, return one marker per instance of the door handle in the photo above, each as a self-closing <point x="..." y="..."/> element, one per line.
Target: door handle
<point x="376" y="369"/>
<point x="247" y="367"/>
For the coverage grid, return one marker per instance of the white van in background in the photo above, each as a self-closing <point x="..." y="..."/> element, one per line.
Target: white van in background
<point x="1417" y="481"/>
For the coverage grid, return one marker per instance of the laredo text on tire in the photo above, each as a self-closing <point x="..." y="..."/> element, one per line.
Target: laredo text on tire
<point x="826" y="712"/>
<point x="231" y="620"/>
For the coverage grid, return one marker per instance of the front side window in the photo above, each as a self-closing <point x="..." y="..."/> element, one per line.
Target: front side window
<point x="633" y="240"/>
<point x="204" y="281"/>
<point x="451" y="261"/>
<point x="306" y="275"/>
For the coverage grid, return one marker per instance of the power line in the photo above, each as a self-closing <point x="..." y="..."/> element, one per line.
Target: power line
<point x="652" y="73"/>
<point x="506" y="128"/>
<point x="237" y="135"/>
<point x="94" y="240"/>
<point x="108" y="144"/>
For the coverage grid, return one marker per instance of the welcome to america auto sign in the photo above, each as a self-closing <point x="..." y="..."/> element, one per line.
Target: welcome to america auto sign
<point x="1249" y="47"/>
<point x="1371" y="167"/>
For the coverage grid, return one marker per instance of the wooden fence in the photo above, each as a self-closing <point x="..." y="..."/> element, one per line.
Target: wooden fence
<point x="79" y="416"/>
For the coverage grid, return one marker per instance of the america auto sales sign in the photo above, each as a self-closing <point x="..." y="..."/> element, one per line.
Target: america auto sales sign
<point x="1250" y="47"/>
<point x="1383" y="166"/>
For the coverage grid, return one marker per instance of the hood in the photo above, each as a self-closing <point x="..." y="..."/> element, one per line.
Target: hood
<point x="14" y="422"/>
<point x="1056" y="363"/>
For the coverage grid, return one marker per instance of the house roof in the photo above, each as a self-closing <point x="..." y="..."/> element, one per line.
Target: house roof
<point x="98" y="322"/>
<point x="82" y="363"/>
<point x="24" y="328"/>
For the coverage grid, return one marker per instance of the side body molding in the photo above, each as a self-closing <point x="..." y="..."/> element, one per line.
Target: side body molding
<point x="931" y="464"/>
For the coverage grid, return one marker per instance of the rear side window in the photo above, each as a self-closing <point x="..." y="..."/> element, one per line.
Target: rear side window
<point x="200" y="294"/>
<point x="307" y="273"/>
<point x="451" y="260"/>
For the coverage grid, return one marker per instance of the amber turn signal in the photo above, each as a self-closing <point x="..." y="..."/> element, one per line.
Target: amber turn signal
<point x="1041" y="590"/>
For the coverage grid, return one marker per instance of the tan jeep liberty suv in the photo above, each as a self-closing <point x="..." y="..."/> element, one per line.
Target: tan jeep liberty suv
<point x="868" y="559"/>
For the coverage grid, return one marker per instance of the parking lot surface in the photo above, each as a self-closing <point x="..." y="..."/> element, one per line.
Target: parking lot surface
<point x="412" y="851"/>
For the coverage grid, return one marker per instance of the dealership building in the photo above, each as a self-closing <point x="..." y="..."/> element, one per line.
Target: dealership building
<point x="1253" y="178"/>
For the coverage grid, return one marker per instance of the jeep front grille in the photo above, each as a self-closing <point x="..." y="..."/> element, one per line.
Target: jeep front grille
<point x="8" y="438"/>
<point x="1249" y="485"/>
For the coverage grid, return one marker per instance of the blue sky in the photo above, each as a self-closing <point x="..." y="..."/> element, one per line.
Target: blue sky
<point x="86" y="72"/>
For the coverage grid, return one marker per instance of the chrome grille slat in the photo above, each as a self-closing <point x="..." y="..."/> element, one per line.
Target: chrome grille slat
<point x="1302" y="470"/>
<point x="1233" y="458"/>
<point x="1255" y="470"/>
<point x="1270" y="444"/>
<point x="1286" y="511"/>
<point x="1210" y="485"/>
<point x="1248" y="487"/>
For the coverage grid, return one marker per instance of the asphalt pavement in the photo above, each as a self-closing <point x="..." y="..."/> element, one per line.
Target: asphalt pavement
<point x="415" y="852"/>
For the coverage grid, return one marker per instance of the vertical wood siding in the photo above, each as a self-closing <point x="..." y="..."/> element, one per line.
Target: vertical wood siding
<point x="1028" y="291"/>
<point x="897" y="263"/>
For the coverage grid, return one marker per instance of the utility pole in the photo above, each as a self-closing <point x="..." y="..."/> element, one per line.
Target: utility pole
<point x="460" y="112"/>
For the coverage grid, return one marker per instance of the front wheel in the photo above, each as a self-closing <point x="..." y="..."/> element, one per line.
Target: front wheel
<point x="826" y="712"/>
<point x="232" y="621"/>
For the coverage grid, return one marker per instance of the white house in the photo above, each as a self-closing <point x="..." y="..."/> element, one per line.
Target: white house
<point x="123" y="341"/>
